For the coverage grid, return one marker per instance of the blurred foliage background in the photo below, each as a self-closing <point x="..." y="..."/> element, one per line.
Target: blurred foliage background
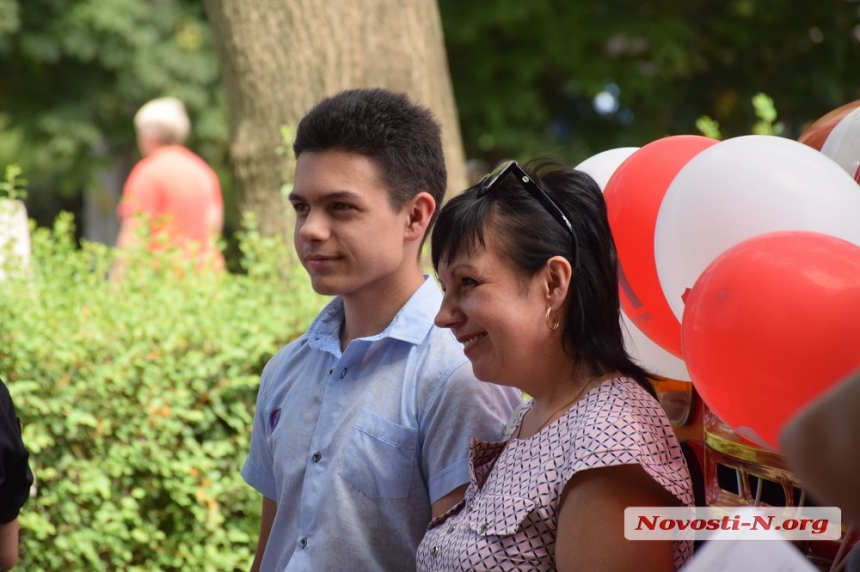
<point x="582" y="77"/>
<point x="576" y="78"/>
<point x="136" y="398"/>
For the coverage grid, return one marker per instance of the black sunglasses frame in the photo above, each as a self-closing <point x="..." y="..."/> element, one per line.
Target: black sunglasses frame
<point x="534" y="189"/>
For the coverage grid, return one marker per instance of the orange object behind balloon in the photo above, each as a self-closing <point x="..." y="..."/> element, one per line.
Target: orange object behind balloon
<point x="816" y="134"/>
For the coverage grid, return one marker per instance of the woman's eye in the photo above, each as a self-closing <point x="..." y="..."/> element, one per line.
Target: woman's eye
<point x="468" y="282"/>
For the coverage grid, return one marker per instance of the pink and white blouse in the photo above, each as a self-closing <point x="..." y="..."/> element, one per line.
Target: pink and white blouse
<point x="509" y="516"/>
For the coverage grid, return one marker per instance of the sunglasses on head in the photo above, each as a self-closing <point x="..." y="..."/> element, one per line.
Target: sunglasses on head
<point x="534" y="189"/>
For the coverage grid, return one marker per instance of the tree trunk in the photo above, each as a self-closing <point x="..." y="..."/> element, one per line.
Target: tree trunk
<point x="280" y="57"/>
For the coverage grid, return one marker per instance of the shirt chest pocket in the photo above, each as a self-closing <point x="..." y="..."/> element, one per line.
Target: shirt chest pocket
<point x="380" y="457"/>
<point x="498" y="515"/>
<point x="510" y="527"/>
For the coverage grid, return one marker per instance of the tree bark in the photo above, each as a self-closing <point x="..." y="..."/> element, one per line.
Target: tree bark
<point x="280" y="57"/>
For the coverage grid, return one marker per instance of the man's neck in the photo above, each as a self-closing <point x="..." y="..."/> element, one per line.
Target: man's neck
<point x="369" y="313"/>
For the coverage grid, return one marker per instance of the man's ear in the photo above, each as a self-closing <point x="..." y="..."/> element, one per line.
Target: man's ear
<point x="420" y="211"/>
<point x="557" y="274"/>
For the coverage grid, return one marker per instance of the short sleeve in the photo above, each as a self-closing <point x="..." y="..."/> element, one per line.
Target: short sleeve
<point x="15" y="475"/>
<point x="630" y="427"/>
<point x="609" y="437"/>
<point x="461" y="408"/>
<point x="258" y="470"/>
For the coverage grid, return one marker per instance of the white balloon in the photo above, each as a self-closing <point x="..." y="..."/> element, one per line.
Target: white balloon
<point x="602" y="165"/>
<point x="741" y="188"/>
<point x="843" y="144"/>
<point x="650" y="355"/>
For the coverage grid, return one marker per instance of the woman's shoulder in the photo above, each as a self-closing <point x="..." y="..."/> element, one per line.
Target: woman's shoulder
<point x="620" y="398"/>
<point x="618" y="411"/>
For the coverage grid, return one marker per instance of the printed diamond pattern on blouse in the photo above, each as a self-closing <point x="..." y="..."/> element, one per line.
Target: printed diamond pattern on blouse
<point x="509" y="517"/>
<point x="483" y="456"/>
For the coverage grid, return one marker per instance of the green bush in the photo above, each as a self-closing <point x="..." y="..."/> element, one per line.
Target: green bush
<point x="136" y="399"/>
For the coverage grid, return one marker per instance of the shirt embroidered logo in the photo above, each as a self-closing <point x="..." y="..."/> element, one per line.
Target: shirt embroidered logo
<point x="274" y="417"/>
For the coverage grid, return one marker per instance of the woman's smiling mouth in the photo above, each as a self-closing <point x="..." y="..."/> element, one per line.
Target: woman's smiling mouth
<point x="471" y="340"/>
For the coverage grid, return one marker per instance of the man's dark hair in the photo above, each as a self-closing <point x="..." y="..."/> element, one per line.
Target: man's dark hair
<point x="401" y="137"/>
<point x="530" y="236"/>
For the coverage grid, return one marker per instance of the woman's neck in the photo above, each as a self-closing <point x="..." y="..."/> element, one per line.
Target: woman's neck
<point x="558" y="395"/>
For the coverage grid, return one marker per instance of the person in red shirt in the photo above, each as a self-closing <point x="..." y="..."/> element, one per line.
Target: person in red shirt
<point x="171" y="188"/>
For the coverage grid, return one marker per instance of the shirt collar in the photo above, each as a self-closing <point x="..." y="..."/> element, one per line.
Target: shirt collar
<point x="410" y="324"/>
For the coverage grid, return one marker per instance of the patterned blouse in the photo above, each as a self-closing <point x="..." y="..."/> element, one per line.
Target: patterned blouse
<point x="509" y="516"/>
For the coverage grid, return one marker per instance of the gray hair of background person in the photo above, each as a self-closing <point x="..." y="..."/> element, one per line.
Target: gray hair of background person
<point x="164" y="118"/>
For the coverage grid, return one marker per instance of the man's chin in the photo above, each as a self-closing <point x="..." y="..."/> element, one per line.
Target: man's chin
<point x="325" y="286"/>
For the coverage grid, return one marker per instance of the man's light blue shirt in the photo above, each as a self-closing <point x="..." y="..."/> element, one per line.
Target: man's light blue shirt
<point x="356" y="446"/>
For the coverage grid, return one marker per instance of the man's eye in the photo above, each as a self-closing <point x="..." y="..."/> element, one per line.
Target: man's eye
<point x="468" y="281"/>
<point x="300" y="207"/>
<point x="342" y="206"/>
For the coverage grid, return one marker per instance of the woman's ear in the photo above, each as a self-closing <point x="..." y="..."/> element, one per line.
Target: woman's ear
<point x="557" y="273"/>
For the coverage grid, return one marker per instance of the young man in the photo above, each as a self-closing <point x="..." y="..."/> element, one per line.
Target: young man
<point x="362" y="426"/>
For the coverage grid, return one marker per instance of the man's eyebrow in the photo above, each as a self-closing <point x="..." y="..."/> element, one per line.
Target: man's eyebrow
<point x="326" y="197"/>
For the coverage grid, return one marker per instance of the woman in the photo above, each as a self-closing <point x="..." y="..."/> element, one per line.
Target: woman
<point x="529" y="270"/>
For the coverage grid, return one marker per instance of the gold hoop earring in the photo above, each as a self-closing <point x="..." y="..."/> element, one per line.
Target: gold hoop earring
<point x="555" y="324"/>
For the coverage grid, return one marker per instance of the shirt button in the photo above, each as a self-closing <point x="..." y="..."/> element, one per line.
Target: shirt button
<point x="434" y="550"/>
<point x="331" y="371"/>
<point x="469" y="506"/>
<point x="316" y="457"/>
<point x="483" y="527"/>
<point x="303" y="542"/>
<point x="450" y="528"/>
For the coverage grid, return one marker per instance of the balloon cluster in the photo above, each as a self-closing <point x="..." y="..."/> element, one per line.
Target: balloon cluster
<point x="739" y="264"/>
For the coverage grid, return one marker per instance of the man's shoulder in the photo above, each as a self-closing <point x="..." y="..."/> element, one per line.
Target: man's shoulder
<point x="289" y="352"/>
<point x="442" y="339"/>
<point x="288" y="356"/>
<point x="440" y="351"/>
<point x="176" y="159"/>
<point x="146" y="167"/>
<point x="187" y="155"/>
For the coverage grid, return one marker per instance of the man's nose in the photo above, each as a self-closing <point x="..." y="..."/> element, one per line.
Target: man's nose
<point x="313" y="227"/>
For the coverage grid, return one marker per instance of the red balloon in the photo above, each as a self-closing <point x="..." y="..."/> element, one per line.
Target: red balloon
<point x="633" y="197"/>
<point x="770" y="325"/>
<point x="817" y="133"/>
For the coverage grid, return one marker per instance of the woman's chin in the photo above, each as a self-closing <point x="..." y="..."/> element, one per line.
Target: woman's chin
<point x="485" y="372"/>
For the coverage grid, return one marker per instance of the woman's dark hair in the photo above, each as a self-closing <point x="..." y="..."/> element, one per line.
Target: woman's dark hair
<point x="529" y="236"/>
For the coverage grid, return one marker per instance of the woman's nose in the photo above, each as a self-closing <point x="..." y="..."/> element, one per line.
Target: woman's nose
<point x="448" y="314"/>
